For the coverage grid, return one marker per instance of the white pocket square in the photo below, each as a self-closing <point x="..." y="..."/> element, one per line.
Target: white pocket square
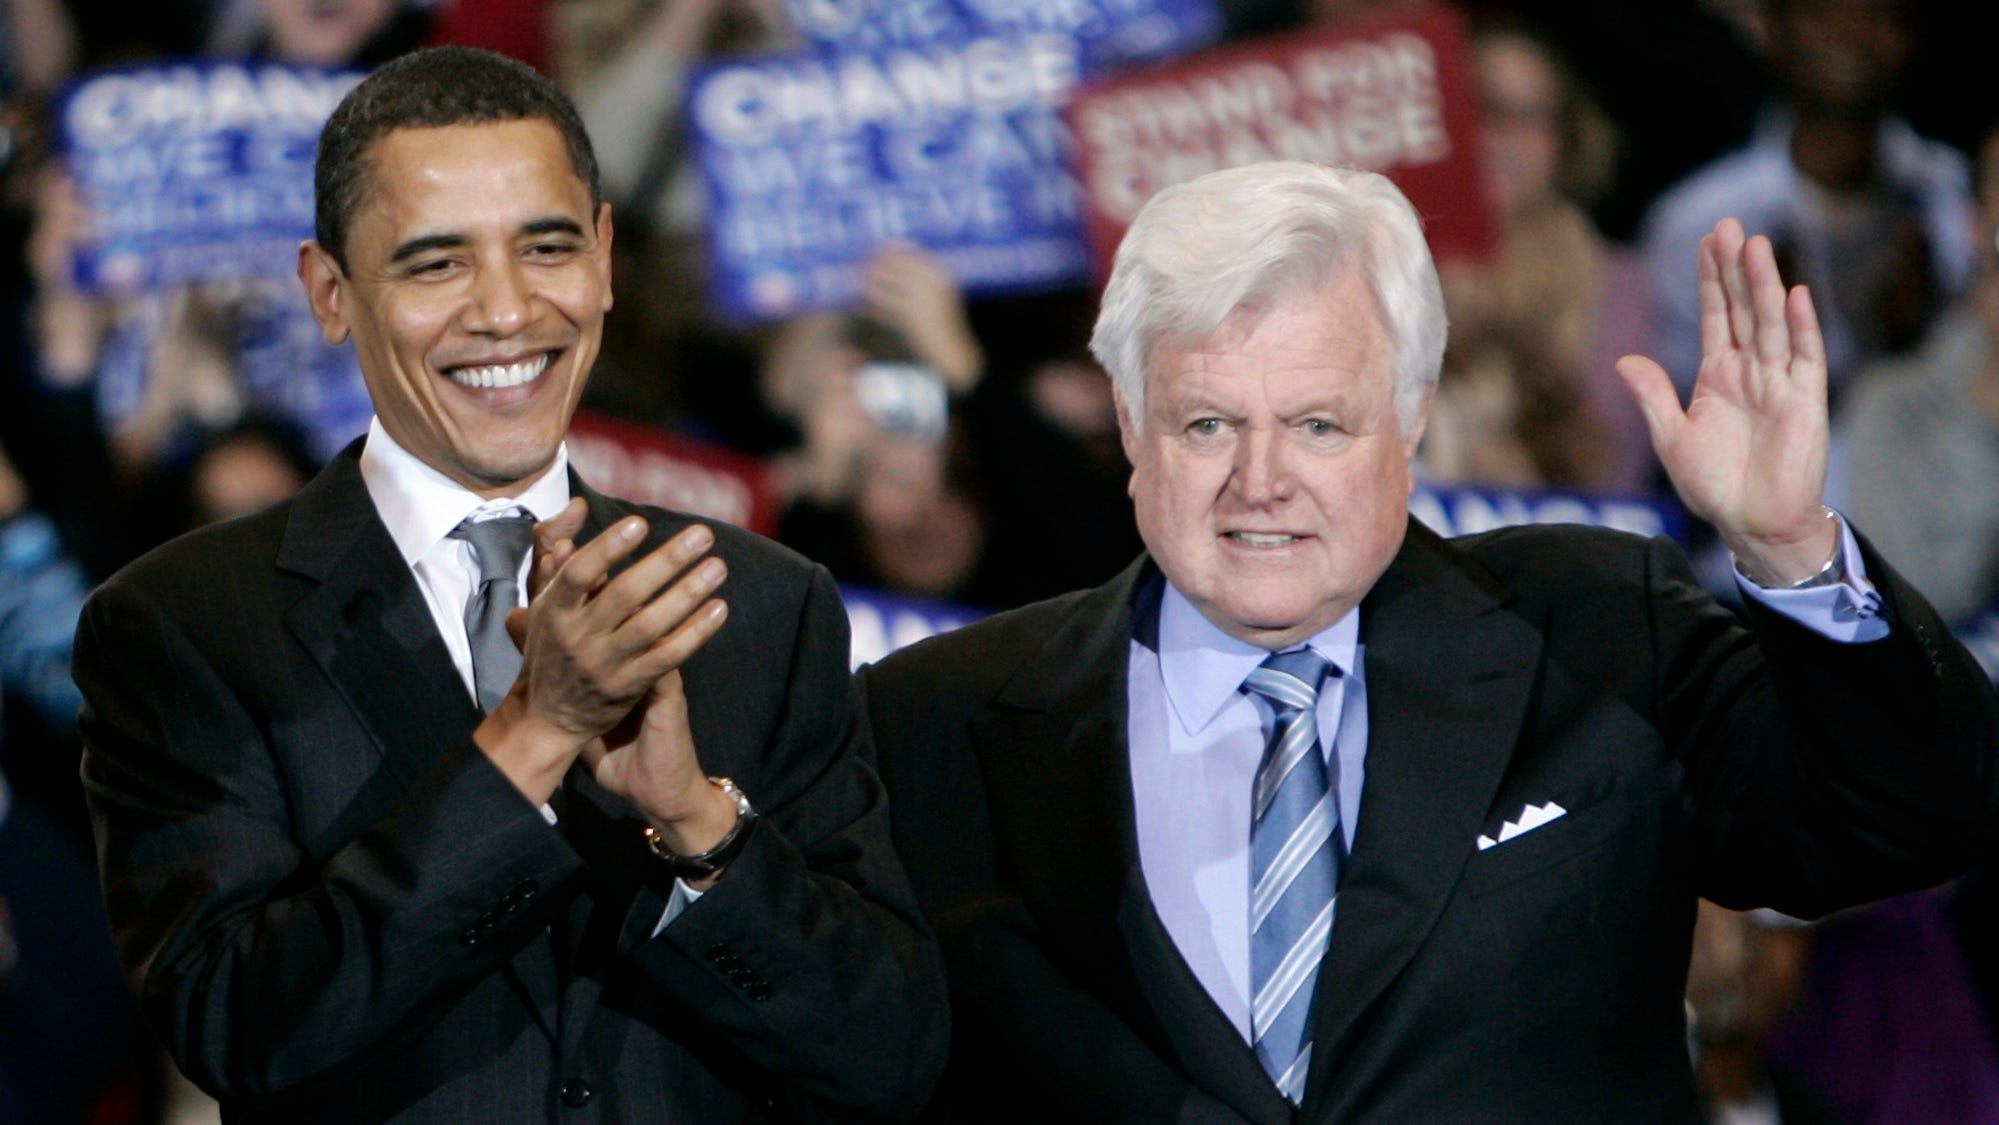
<point x="1530" y="818"/>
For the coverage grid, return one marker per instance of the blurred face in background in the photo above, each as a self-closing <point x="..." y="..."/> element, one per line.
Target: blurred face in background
<point x="920" y="533"/>
<point x="239" y="477"/>
<point x="1520" y="96"/>
<point x="1840" y="57"/>
<point x="324" y="32"/>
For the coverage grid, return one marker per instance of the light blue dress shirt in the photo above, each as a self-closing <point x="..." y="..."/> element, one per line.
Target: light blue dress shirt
<point x="1196" y="739"/>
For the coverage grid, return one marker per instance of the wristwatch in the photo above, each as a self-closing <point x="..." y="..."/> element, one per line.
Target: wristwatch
<point x="714" y="859"/>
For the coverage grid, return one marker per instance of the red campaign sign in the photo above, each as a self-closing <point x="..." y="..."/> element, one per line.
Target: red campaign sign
<point x="651" y="466"/>
<point x="1393" y="96"/>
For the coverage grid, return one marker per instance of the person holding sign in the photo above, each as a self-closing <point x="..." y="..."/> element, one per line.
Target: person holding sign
<point x="1312" y="815"/>
<point x="379" y="845"/>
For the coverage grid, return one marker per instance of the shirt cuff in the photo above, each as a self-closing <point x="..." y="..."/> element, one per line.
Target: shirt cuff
<point x="1848" y="611"/>
<point x="680" y="898"/>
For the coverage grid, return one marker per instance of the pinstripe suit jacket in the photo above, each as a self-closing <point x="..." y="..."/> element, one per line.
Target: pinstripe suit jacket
<point x="334" y="908"/>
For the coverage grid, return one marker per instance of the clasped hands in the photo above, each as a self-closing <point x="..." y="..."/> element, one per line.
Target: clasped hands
<point x="1748" y="453"/>
<point x="600" y="673"/>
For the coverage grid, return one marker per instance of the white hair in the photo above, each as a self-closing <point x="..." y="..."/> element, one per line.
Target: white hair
<point x="1200" y="250"/>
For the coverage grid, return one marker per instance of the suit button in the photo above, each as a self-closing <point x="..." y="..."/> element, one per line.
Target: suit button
<point x="576" y="1093"/>
<point x="472" y="935"/>
<point x="516" y="898"/>
<point x="760" y="991"/>
<point x="717" y="952"/>
<point x="742" y="978"/>
<point x="729" y="964"/>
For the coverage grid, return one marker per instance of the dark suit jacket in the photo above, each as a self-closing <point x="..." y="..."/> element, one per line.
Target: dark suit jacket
<point x="333" y="907"/>
<point x="1538" y="981"/>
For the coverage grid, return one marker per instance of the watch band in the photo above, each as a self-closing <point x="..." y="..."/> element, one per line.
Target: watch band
<point x="714" y="859"/>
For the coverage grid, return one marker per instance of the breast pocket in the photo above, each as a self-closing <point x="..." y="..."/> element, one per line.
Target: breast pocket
<point x="1579" y="830"/>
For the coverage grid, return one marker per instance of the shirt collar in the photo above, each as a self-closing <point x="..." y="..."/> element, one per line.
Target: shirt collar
<point x="1203" y="667"/>
<point x="420" y="505"/>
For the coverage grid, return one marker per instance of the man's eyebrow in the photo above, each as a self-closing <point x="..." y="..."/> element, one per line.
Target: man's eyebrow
<point x="556" y="224"/>
<point x="424" y="245"/>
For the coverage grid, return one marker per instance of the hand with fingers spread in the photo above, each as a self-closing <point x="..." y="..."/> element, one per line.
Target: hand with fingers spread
<point x="1748" y="453"/>
<point x="594" y="645"/>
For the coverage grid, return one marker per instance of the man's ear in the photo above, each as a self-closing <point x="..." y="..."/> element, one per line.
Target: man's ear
<point x="604" y="249"/>
<point x="325" y="290"/>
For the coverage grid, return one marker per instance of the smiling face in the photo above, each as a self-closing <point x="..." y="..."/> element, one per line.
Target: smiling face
<point x="475" y="293"/>
<point x="1270" y="475"/>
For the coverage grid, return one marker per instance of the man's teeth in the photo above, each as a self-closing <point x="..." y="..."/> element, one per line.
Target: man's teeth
<point x="1256" y="539"/>
<point x="500" y="374"/>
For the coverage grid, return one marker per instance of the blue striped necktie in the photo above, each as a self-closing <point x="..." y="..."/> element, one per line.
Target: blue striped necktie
<point x="1294" y="868"/>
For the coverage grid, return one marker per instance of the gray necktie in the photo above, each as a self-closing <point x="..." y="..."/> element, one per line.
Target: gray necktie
<point x="499" y="545"/>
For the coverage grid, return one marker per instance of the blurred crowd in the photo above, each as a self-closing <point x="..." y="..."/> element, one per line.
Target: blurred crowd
<point x="968" y="451"/>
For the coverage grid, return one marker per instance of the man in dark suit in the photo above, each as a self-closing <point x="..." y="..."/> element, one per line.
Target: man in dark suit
<point x="1311" y="815"/>
<point x="653" y="880"/>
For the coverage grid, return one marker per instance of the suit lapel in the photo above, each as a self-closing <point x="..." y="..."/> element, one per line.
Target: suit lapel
<point x="1449" y="673"/>
<point x="1055" y="755"/>
<point x="367" y="626"/>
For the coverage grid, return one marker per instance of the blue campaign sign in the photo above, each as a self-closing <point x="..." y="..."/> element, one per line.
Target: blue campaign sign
<point x="194" y="171"/>
<point x="931" y="122"/>
<point x="813" y="162"/>
<point x="1467" y="511"/>
<point x="883" y="622"/>
<point x="1107" y="32"/>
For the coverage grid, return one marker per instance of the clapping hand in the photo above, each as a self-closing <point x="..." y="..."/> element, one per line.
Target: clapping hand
<point x="600" y="662"/>
<point x="594" y="643"/>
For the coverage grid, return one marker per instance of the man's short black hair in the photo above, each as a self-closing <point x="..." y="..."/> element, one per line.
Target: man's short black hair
<point x="432" y="89"/>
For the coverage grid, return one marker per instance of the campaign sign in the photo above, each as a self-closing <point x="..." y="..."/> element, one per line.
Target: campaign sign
<point x="1392" y="96"/>
<point x="651" y="466"/>
<point x="1456" y="510"/>
<point x="813" y="162"/>
<point x="196" y="171"/>
<point x="882" y="622"/>
<point x="1109" y="32"/>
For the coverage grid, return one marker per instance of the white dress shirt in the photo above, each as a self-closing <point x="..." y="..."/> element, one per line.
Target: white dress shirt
<point x="1196" y="740"/>
<point x="420" y="506"/>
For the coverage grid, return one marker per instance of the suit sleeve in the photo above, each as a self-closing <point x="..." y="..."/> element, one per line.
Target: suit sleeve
<point x="1821" y="774"/>
<point x="809" y="955"/>
<point x="261" y="964"/>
